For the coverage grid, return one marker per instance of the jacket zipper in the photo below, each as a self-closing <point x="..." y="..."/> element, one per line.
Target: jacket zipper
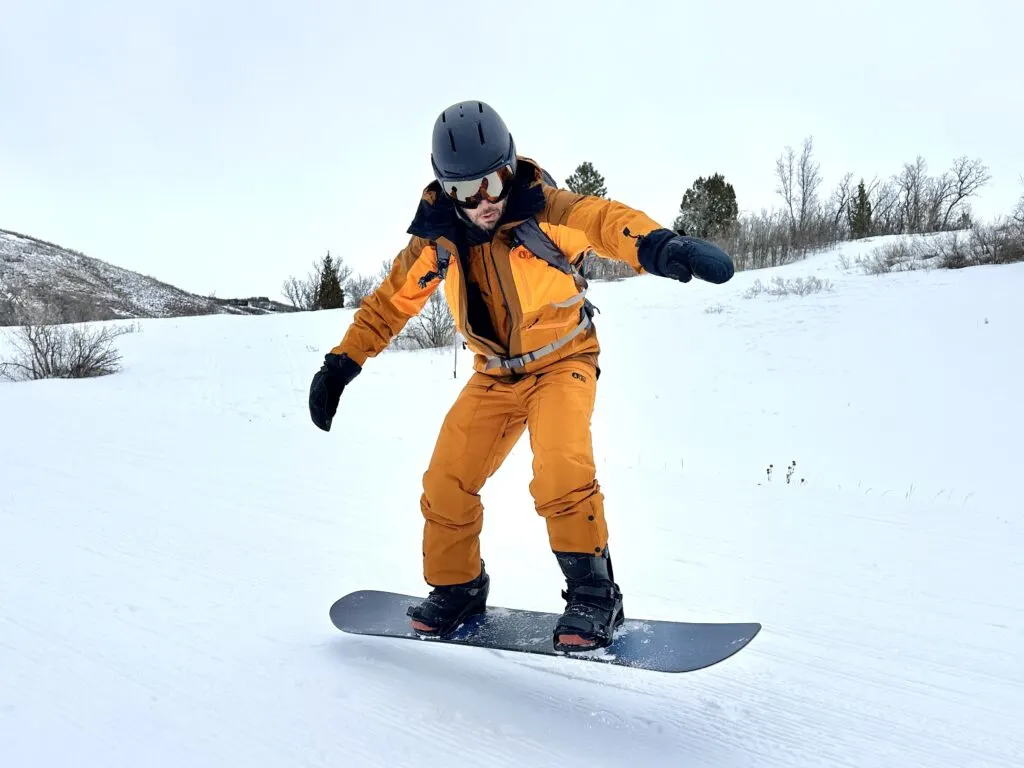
<point x="504" y="298"/>
<point x="464" y="300"/>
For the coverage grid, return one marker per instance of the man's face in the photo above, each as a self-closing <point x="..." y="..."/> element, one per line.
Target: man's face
<point x="486" y="214"/>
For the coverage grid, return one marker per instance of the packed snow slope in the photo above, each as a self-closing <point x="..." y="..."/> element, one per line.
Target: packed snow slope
<point x="171" y="539"/>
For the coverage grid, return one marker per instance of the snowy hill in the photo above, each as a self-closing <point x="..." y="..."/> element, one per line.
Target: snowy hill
<point x="172" y="537"/>
<point x="39" y="273"/>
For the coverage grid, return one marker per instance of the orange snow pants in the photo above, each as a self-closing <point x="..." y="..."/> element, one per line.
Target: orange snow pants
<point x="481" y="428"/>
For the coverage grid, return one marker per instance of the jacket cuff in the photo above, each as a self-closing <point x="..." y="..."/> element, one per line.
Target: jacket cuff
<point x="357" y="356"/>
<point x="650" y="251"/>
<point x="345" y="367"/>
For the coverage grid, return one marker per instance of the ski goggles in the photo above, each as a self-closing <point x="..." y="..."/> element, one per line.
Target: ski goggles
<point x="469" y="193"/>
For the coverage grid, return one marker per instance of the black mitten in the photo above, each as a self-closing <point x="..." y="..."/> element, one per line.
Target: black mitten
<point x="328" y="383"/>
<point x="679" y="257"/>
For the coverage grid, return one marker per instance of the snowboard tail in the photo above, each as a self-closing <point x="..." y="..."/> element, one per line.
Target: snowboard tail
<point x="656" y="645"/>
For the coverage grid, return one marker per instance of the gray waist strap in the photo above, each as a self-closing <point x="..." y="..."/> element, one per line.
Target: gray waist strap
<point x="507" y="363"/>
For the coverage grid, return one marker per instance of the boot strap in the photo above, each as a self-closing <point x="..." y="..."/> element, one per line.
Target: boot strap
<point x="580" y="625"/>
<point x="584" y="590"/>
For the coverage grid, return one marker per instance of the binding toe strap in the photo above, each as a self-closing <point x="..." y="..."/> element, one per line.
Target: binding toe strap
<point x="584" y="626"/>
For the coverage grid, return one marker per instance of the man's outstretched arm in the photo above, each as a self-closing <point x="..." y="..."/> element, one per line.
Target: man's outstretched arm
<point x="380" y="317"/>
<point x="629" y="235"/>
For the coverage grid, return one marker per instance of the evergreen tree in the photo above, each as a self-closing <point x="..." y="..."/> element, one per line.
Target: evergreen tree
<point x="708" y="207"/>
<point x="587" y="181"/>
<point x="860" y="213"/>
<point x="329" y="294"/>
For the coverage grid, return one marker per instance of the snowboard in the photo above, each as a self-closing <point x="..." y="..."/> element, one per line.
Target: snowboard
<point x="655" y="645"/>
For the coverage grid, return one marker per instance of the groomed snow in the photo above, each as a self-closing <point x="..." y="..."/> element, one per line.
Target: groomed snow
<point x="171" y="539"/>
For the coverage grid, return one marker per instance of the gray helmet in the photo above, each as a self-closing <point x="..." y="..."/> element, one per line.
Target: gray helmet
<point x="470" y="140"/>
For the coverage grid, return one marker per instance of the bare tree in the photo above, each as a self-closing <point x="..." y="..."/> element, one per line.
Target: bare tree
<point x="434" y="326"/>
<point x="912" y="194"/>
<point x="358" y="288"/>
<point x="759" y="240"/>
<point x="938" y="191"/>
<point x="384" y="271"/>
<point x="301" y="292"/>
<point x="915" y="202"/>
<point x="799" y="181"/>
<point x="786" y="173"/>
<point x="808" y="181"/>
<point x="840" y="202"/>
<point x="968" y="177"/>
<point x="1018" y="212"/>
<point x="884" y="197"/>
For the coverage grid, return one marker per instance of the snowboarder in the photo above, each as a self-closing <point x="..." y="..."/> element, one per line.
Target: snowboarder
<point x="506" y="244"/>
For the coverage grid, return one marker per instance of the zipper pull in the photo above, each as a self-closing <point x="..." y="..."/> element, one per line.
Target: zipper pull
<point x="638" y="238"/>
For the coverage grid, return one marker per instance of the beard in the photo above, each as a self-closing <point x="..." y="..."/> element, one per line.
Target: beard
<point x="483" y="232"/>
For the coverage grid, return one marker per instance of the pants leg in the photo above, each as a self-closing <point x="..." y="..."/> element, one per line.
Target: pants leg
<point x="566" y="493"/>
<point x="479" y="431"/>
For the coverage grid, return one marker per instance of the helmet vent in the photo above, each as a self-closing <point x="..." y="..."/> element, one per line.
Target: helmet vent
<point x="451" y="140"/>
<point x="480" y="130"/>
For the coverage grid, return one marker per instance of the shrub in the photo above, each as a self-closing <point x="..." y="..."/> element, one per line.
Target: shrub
<point x="797" y="286"/>
<point x="47" y="351"/>
<point x="900" y="256"/>
<point x="432" y="328"/>
<point x="999" y="243"/>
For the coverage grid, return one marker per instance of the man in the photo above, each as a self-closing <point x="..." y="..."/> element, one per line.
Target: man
<point x="504" y="241"/>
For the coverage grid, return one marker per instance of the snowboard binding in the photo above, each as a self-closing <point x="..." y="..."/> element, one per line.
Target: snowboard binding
<point x="447" y="607"/>
<point x="593" y="608"/>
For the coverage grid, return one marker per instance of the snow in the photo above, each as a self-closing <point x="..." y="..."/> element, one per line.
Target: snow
<point x="32" y="270"/>
<point x="172" y="537"/>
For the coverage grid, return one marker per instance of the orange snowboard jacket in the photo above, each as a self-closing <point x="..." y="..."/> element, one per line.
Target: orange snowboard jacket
<point x="505" y="301"/>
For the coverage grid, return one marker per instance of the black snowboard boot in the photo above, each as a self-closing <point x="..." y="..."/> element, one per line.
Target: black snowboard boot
<point x="593" y="608"/>
<point x="446" y="607"/>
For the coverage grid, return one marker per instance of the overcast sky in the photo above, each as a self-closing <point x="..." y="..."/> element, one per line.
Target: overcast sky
<point x="223" y="145"/>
